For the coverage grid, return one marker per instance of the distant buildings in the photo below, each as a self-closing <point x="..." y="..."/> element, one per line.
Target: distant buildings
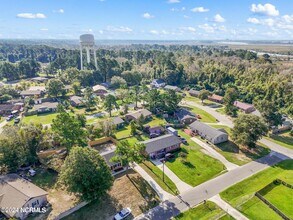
<point x="216" y="98"/>
<point x="185" y="116"/>
<point x="194" y="92"/>
<point x="76" y="101"/>
<point x="245" y="107"/>
<point x="174" y="88"/>
<point x="137" y="114"/>
<point x="211" y="134"/>
<point x="158" y="83"/>
<point x="17" y="193"/>
<point x="46" y="107"/>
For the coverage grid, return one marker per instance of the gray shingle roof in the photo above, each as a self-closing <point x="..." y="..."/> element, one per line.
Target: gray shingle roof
<point x="108" y="156"/>
<point x="138" y="113"/>
<point x="117" y="120"/>
<point x="172" y="87"/>
<point x="160" y="143"/>
<point x="206" y="129"/>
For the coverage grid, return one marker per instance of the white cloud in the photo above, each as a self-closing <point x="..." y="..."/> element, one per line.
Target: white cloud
<point x="200" y="9"/>
<point x="218" y="18"/>
<point x="266" y="9"/>
<point x="173" y="1"/>
<point x="147" y="15"/>
<point x="189" y="29"/>
<point x="44" y="29"/>
<point x="31" y="15"/>
<point x="253" y="20"/>
<point x="119" y="29"/>
<point x="154" y="32"/>
<point x="207" y="28"/>
<point x="61" y="11"/>
<point x="288" y="18"/>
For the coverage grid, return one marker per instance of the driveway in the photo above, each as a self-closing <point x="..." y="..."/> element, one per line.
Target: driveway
<point x="181" y="186"/>
<point x="213" y="153"/>
<point x="207" y="190"/>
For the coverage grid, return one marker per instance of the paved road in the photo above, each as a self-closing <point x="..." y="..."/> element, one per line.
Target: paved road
<point x="181" y="185"/>
<point x="226" y="207"/>
<point x="213" y="153"/>
<point x="205" y="191"/>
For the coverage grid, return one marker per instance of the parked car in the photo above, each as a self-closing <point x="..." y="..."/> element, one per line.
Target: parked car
<point x="169" y="156"/>
<point x="17" y="120"/>
<point x="183" y="140"/>
<point x="9" y="118"/>
<point x="122" y="214"/>
<point x="198" y="116"/>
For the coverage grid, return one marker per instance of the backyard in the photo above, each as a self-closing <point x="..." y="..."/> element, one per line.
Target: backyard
<point x="205" y="212"/>
<point x="44" y="119"/>
<point x="241" y="195"/>
<point x="128" y="191"/>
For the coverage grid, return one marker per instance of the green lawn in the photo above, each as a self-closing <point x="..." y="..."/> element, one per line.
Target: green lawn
<point x="205" y="117"/>
<point x="46" y="118"/>
<point x="241" y="192"/>
<point x="239" y="155"/>
<point x="254" y="208"/>
<point x="204" y="211"/>
<point x="156" y="121"/>
<point x="221" y="110"/>
<point x="283" y="139"/>
<point x="198" y="167"/>
<point x="281" y="197"/>
<point x="157" y="175"/>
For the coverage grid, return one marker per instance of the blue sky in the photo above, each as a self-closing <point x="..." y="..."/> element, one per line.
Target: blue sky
<point x="148" y="19"/>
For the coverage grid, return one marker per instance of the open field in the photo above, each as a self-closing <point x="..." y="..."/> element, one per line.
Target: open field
<point x="280" y="196"/>
<point x="198" y="166"/>
<point x="284" y="139"/>
<point x="128" y="191"/>
<point x="241" y="195"/>
<point x="204" y="211"/>
<point x="265" y="47"/>
<point x="46" y="118"/>
<point x="157" y="175"/>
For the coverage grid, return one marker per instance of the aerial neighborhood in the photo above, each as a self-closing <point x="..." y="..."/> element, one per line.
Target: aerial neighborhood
<point x="141" y="130"/>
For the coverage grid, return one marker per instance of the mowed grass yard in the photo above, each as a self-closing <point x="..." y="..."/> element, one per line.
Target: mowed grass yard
<point x="157" y="175"/>
<point x="46" y="118"/>
<point x="204" y="212"/>
<point x="284" y="139"/>
<point x="241" y="195"/>
<point x="198" y="167"/>
<point x="238" y="154"/>
<point x="205" y="117"/>
<point x="128" y="191"/>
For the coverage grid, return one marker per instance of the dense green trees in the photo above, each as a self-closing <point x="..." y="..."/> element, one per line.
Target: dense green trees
<point x="69" y="130"/>
<point x="110" y="103"/>
<point x="55" y="87"/>
<point x="269" y="112"/>
<point x="203" y="95"/>
<point x="86" y="174"/>
<point x="248" y="129"/>
<point x="230" y="97"/>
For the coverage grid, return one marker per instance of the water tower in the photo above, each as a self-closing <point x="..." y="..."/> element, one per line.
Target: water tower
<point x="87" y="43"/>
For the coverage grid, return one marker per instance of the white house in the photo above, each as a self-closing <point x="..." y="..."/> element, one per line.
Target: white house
<point x="158" y="83"/>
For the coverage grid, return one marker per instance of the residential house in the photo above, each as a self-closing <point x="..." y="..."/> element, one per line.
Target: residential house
<point x="106" y="84"/>
<point x="194" y="92"/>
<point x="286" y="125"/>
<point x="216" y="98"/>
<point x="39" y="79"/>
<point x="17" y="193"/>
<point x="158" y="147"/>
<point x="185" y="116"/>
<point x="211" y="134"/>
<point x="46" y="107"/>
<point x="38" y="88"/>
<point x="6" y="109"/>
<point x="118" y="122"/>
<point x="100" y="90"/>
<point x="137" y="114"/>
<point x="158" y="83"/>
<point x="174" y="88"/>
<point x="245" y="107"/>
<point x="114" y="166"/>
<point x="156" y="130"/>
<point x="76" y="101"/>
<point x="31" y="93"/>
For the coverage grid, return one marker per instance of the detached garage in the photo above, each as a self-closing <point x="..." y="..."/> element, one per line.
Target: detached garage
<point x="211" y="134"/>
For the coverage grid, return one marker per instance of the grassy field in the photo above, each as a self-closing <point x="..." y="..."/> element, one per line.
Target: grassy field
<point x="198" y="167"/>
<point x="46" y="118"/>
<point x="241" y="193"/>
<point x="205" y="117"/>
<point x="283" y="139"/>
<point x="128" y="191"/>
<point x="281" y="197"/>
<point x="239" y="155"/>
<point x="157" y="175"/>
<point x="254" y="208"/>
<point x="204" y="211"/>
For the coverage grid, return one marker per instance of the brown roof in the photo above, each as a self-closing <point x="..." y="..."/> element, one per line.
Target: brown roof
<point x="242" y="105"/>
<point x="30" y="92"/>
<point x="16" y="191"/>
<point x="216" y="97"/>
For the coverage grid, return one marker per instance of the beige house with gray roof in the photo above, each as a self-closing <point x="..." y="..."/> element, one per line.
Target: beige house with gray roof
<point x="17" y="195"/>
